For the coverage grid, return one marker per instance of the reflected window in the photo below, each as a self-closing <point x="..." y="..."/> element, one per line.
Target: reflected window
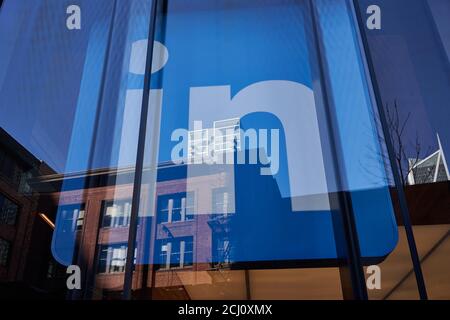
<point x="221" y="201"/>
<point x="8" y="211"/>
<point x="176" y="207"/>
<point x="72" y="217"/>
<point x="176" y="253"/>
<point x="112" y="258"/>
<point x="116" y="213"/>
<point x="5" y="247"/>
<point x="10" y="169"/>
<point x="222" y="251"/>
<point x="226" y="135"/>
<point x="55" y="270"/>
<point x="198" y="145"/>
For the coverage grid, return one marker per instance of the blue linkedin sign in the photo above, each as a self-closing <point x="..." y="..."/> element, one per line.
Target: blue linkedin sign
<point x="259" y="115"/>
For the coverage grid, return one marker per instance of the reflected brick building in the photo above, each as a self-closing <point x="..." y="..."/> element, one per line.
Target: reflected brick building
<point x="183" y="230"/>
<point x="189" y="221"/>
<point x="24" y="238"/>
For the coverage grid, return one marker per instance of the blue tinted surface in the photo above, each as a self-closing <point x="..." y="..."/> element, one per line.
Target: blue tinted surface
<point x="239" y="45"/>
<point x="248" y="45"/>
<point x="41" y="72"/>
<point x="411" y="56"/>
<point x="365" y="175"/>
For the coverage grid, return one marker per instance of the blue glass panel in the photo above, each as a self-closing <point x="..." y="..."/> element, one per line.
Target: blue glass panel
<point x="236" y="126"/>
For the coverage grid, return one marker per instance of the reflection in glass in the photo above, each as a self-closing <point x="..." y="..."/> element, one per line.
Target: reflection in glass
<point x="116" y="213"/>
<point x="4" y="252"/>
<point x="8" y="211"/>
<point x="239" y="169"/>
<point x="410" y="58"/>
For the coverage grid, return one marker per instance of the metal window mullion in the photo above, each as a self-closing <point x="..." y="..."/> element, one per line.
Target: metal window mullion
<point x="352" y="273"/>
<point x="375" y="95"/>
<point x="89" y="278"/>
<point x="129" y="268"/>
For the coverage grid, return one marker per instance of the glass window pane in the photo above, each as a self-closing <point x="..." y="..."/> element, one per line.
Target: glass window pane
<point x="261" y="132"/>
<point x="69" y="113"/>
<point x="410" y="58"/>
